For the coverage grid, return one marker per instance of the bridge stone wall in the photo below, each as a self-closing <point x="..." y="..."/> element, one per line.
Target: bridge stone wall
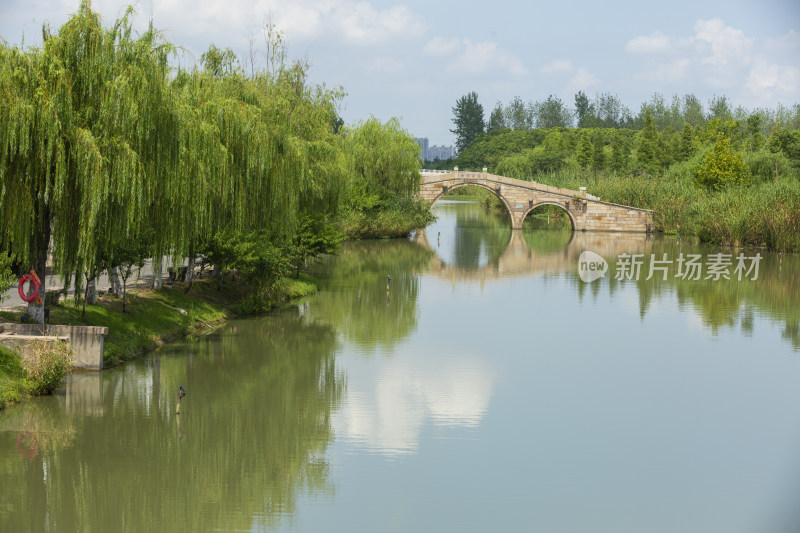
<point x="586" y="212"/>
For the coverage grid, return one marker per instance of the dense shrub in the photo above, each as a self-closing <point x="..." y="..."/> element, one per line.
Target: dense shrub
<point x="46" y="365"/>
<point x="721" y="167"/>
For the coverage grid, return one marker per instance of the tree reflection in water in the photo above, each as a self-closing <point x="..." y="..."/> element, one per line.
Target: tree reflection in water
<point x="249" y="439"/>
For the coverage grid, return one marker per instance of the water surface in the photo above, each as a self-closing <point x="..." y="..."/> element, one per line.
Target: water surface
<point x="487" y="389"/>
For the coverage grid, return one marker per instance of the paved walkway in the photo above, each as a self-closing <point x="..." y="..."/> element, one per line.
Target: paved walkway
<point x="11" y="301"/>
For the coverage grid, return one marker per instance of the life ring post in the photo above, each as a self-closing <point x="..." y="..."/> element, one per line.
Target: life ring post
<point x="33" y="278"/>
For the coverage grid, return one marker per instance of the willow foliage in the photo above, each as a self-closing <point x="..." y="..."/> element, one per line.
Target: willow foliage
<point x="386" y="157"/>
<point x="100" y="146"/>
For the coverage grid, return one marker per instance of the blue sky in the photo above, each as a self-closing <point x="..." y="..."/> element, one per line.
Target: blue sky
<point x="414" y="59"/>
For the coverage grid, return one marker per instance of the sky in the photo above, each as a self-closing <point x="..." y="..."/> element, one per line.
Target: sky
<point x="414" y="59"/>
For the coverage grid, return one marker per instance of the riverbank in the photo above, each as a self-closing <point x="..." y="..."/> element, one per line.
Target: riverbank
<point x="152" y="318"/>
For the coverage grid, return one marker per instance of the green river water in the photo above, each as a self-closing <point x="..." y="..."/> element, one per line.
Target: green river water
<point x="489" y="388"/>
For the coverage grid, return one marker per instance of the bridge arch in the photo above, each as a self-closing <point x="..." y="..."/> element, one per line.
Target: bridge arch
<point x="482" y="186"/>
<point x="556" y="204"/>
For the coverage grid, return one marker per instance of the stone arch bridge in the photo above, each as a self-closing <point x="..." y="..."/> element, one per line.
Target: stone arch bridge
<point x="586" y="212"/>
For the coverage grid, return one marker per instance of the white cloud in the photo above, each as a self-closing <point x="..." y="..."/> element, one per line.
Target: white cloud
<point x="728" y="46"/>
<point x="673" y="71"/>
<point x="360" y="23"/>
<point x="386" y="65"/>
<point x="785" y="43"/>
<point x="441" y="47"/>
<point x="557" y="66"/>
<point x="654" y="43"/>
<point x="484" y="57"/>
<point x="770" y="80"/>
<point x="388" y="414"/>
<point x="723" y="58"/>
<point x="582" y="80"/>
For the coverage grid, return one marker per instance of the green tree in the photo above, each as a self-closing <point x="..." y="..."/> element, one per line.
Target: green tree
<point x="719" y="107"/>
<point x="584" y="110"/>
<point x="518" y="116"/>
<point x="316" y="236"/>
<point x="468" y="120"/>
<point x="721" y="167"/>
<point x="686" y="145"/>
<point x="584" y="152"/>
<point x="552" y="113"/>
<point x="385" y="158"/>
<point x="692" y="110"/>
<point x="220" y="63"/>
<point x="755" y="124"/>
<point x="598" y="152"/>
<point x="646" y="153"/>
<point x="7" y="277"/>
<point x="610" y="111"/>
<point x="497" y="119"/>
<point x="106" y="142"/>
<point x="619" y="151"/>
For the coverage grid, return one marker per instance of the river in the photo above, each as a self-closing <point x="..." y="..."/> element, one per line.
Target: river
<point x="492" y="386"/>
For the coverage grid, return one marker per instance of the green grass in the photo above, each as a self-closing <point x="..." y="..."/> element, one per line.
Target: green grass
<point x="152" y="318"/>
<point x="764" y="214"/>
<point x="13" y="383"/>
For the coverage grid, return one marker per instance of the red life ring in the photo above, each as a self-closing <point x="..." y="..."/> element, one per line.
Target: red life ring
<point x="28" y="453"/>
<point x="33" y="279"/>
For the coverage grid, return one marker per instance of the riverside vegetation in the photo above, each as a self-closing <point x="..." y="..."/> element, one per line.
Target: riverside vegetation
<point x="110" y="156"/>
<point x="727" y="176"/>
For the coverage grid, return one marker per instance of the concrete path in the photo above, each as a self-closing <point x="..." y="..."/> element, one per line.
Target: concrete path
<point x="11" y="301"/>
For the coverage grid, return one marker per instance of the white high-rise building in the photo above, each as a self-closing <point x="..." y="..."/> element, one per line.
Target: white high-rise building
<point x="432" y="153"/>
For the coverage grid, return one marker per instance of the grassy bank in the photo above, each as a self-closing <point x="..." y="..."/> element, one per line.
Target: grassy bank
<point x="152" y="318"/>
<point x="13" y="385"/>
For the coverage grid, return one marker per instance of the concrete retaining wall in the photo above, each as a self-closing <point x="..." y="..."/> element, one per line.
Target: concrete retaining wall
<point x="86" y="341"/>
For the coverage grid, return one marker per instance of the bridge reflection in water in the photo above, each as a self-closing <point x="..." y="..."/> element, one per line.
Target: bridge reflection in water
<point x="519" y="258"/>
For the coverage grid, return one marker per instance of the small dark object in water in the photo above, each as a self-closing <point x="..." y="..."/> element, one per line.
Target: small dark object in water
<point x="181" y="394"/>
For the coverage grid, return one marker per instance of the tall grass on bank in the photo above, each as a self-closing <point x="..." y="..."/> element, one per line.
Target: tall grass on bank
<point x="46" y="365"/>
<point x="40" y="371"/>
<point x="766" y="213"/>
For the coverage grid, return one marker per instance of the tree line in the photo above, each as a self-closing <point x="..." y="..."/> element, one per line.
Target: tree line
<point x="723" y="174"/>
<point x="606" y="110"/>
<point x="109" y="155"/>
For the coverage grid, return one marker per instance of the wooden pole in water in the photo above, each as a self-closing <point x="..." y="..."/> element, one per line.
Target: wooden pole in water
<point x="181" y="394"/>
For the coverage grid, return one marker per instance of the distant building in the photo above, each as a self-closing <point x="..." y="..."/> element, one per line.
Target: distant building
<point x="440" y="152"/>
<point x="432" y="153"/>
<point x="423" y="143"/>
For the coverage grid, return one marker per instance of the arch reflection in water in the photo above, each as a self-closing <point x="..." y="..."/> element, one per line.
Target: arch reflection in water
<point x="532" y="252"/>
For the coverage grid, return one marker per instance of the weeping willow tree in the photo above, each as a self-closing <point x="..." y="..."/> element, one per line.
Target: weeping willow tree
<point x="100" y="148"/>
<point x="385" y="180"/>
<point x="83" y="116"/>
<point x="386" y="157"/>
